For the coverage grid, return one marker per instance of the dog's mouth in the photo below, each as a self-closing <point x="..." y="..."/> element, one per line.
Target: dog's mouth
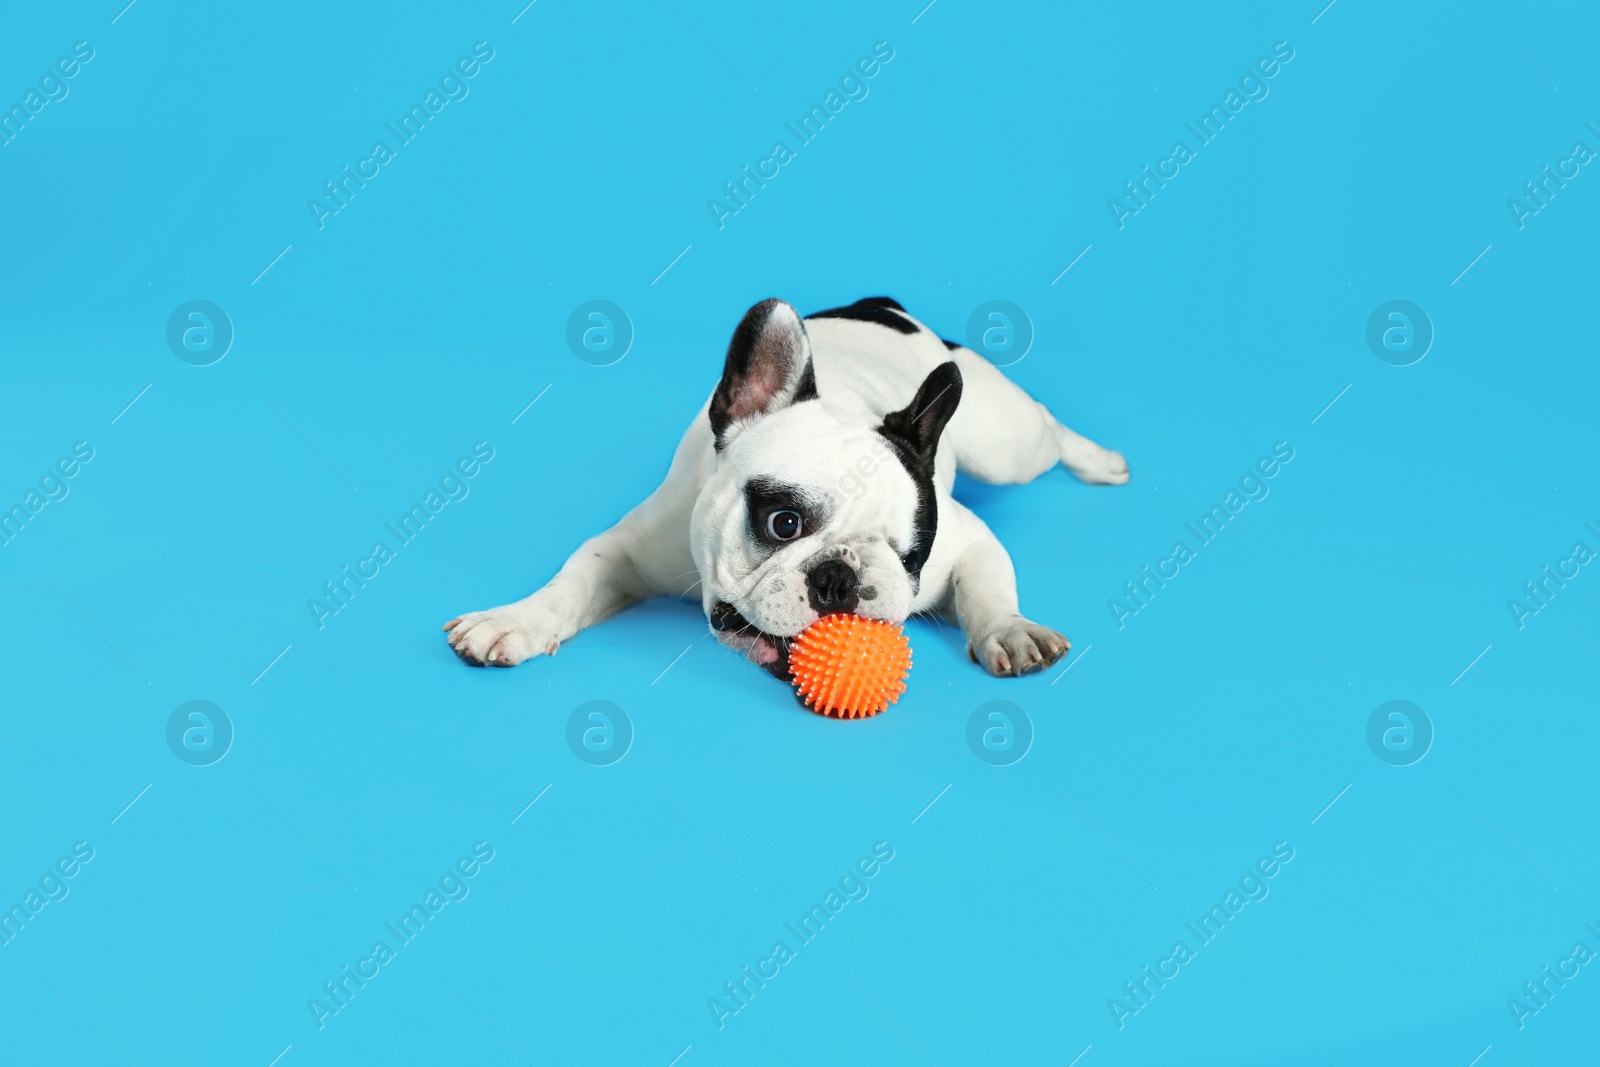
<point x="767" y="651"/>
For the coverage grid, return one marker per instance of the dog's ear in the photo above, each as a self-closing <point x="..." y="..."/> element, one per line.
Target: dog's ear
<point x="917" y="426"/>
<point x="768" y="368"/>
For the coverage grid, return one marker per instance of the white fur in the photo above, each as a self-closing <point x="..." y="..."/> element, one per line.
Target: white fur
<point x="694" y="524"/>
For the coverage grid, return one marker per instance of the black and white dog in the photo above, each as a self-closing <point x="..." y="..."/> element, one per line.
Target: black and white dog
<point x="808" y="485"/>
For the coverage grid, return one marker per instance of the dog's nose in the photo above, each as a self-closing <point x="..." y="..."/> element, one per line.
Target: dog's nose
<point x="833" y="587"/>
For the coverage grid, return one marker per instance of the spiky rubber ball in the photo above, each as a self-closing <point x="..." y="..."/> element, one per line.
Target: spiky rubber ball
<point x="849" y="667"/>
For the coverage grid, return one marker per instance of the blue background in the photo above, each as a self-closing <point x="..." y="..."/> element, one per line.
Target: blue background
<point x="427" y="314"/>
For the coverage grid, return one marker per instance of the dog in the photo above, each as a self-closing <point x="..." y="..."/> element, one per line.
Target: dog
<point x="815" y="480"/>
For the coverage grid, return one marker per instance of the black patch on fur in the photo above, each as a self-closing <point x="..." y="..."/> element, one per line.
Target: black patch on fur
<point x="913" y="434"/>
<point x="763" y="496"/>
<point x="951" y="345"/>
<point x="878" y="309"/>
<point x="807" y="389"/>
<point x="741" y="367"/>
<point x="925" y="520"/>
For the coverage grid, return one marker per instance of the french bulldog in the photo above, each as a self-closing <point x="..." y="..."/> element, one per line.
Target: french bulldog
<point x="816" y="479"/>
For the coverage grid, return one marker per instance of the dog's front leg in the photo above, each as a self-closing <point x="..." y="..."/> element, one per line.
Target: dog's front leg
<point x="984" y="593"/>
<point x="645" y="555"/>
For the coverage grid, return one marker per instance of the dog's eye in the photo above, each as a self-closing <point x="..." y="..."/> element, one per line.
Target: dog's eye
<point x="783" y="525"/>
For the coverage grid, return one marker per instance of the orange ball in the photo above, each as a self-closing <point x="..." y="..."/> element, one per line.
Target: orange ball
<point x="849" y="667"/>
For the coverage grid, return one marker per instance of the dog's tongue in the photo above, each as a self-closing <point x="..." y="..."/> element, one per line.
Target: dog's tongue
<point x="772" y="654"/>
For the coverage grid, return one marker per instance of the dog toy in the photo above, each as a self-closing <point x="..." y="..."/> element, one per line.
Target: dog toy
<point x="849" y="667"/>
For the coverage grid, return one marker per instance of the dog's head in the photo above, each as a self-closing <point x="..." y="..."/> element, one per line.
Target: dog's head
<point x="807" y="513"/>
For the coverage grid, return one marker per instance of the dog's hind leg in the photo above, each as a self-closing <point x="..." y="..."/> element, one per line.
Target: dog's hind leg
<point x="1003" y="436"/>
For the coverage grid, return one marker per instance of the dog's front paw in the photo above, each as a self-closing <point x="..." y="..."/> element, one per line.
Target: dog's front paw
<point x="1016" y="647"/>
<point x="501" y="637"/>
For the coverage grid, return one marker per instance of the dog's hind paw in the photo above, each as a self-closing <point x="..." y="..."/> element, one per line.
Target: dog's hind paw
<point x="1097" y="466"/>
